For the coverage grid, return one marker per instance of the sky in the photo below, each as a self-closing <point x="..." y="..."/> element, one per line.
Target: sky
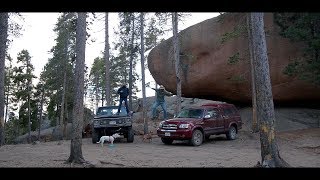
<point x="38" y="37"/>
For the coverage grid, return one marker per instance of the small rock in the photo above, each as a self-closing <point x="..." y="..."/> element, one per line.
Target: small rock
<point x="35" y="142"/>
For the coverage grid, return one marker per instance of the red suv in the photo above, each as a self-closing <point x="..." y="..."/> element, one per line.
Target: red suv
<point x="198" y="123"/>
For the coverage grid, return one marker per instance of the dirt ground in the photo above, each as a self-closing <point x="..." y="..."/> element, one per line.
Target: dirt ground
<point x="300" y="148"/>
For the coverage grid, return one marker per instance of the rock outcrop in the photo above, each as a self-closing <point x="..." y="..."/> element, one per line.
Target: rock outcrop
<point x="215" y="62"/>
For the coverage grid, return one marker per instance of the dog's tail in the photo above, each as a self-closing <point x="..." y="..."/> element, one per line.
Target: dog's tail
<point x="98" y="142"/>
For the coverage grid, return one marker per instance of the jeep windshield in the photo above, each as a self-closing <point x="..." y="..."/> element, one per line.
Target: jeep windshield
<point x="111" y="111"/>
<point x="191" y="113"/>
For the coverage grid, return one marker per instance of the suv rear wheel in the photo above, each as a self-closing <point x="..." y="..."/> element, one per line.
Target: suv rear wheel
<point x="130" y="135"/>
<point x="232" y="133"/>
<point x="197" y="138"/>
<point x="166" y="140"/>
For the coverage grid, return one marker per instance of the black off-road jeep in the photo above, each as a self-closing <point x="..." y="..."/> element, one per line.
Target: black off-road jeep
<point x="107" y="122"/>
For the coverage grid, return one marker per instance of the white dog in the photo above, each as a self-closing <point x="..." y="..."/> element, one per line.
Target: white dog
<point x="108" y="139"/>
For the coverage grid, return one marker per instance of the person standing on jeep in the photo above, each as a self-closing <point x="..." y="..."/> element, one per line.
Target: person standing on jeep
<point x="123" y="92"/>
<point x="160" y="93"/>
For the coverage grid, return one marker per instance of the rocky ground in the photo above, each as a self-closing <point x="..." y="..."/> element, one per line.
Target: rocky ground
<point x="300" y="148"/>
<point x="298" y="137"/>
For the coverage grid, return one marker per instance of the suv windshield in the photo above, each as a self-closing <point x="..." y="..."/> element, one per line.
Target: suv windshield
<point x="190" y="113"/>
<point x="111" y="110"/>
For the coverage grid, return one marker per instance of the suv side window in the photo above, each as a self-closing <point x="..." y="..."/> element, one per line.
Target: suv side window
<point x="234" y="110"/>
<point x="227" y="111"/>
<point x="214" y="113"/>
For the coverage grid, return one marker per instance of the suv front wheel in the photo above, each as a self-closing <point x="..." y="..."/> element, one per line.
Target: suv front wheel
<point x="166" y="140"/>
<point x="197" y="138"/>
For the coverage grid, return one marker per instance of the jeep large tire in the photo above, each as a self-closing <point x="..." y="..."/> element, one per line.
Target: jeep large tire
<point x="130" y="135"/>
<point x="232" y="133"/>
<point x="197" y="138"/>
<point x="167" y="141"/>
<point x="95" y="136"/>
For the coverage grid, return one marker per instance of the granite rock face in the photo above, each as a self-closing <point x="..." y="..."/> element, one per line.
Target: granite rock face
<point x="216" y="65"/>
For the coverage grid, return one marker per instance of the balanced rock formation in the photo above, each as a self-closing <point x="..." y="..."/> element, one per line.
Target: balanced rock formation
<point x="215" y="62"/>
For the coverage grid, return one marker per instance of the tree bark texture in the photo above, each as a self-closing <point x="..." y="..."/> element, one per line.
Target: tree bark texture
<point x="145" y="120"/>
<point x="107" y="61"/>
<point x="255" y="123"/>
<point x="77" y="120"/>
<point x="29" y="113"/>
<point x="131" y="63"/>
<point x="176" y="52"/>
<point x="3" y="48"/>
<point x="41" y="109"/>
<point x="265" y="107"/>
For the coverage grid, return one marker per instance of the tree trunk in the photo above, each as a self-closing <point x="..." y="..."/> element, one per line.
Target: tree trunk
<point x="77" y="120"/>
<point x="5" y="114"/>
<point x="102" y="97"/>
<point x="3" y="48"/>
<point x="57" y="114"/>
<point x="265" y="108"/>
<point x="61" y="123"/>
<point x="145" y="120"/>
<point x="131" y="64"/>
<point x="63" y="98"/>
<point x="107" y="61"/>
<point x="156" y="87"/>
<point x="176" y="51"/>
<point x="7" y="101"/>
<point x="97" y="91"/>
<point x="255" y="124"/>
<point x="41" y="108"/>
<point x="29" y="114"/>
<point x="65" y="121"/>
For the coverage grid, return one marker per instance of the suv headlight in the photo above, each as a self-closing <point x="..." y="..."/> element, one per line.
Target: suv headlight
<point x="184" y="126"/>
<point x="160" y="124"/>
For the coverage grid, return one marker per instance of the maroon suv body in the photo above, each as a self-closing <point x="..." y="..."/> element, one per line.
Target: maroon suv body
<point x="198" y="123"/>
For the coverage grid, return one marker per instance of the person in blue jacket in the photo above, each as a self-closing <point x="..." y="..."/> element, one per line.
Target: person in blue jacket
<point x="123" y="91"/>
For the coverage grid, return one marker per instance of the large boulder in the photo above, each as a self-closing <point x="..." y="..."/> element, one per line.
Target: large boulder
<point x="213" y="69"/>
<point x="45" y="135"/>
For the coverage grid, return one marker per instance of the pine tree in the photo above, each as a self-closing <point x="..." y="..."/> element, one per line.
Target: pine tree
<point x="265" y="108"/>
<point x="77" y="120"/>
<point x="3" y="48"/>
<point x="304" y="28"/>
<point x="59" y="70"/>
<point x="23" y="75"/>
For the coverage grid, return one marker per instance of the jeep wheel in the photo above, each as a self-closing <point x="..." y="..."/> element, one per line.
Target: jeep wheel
<point x="130" y="135"/>
<point x="232" y="133"/>
<point x="95" y="136"/>
<point x="197" y="138"/>
<point x="166" y="141"/>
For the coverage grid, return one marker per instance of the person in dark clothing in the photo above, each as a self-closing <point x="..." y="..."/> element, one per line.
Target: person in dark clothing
<point x="123" y="92"/>
<point x="160" y="93"/>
